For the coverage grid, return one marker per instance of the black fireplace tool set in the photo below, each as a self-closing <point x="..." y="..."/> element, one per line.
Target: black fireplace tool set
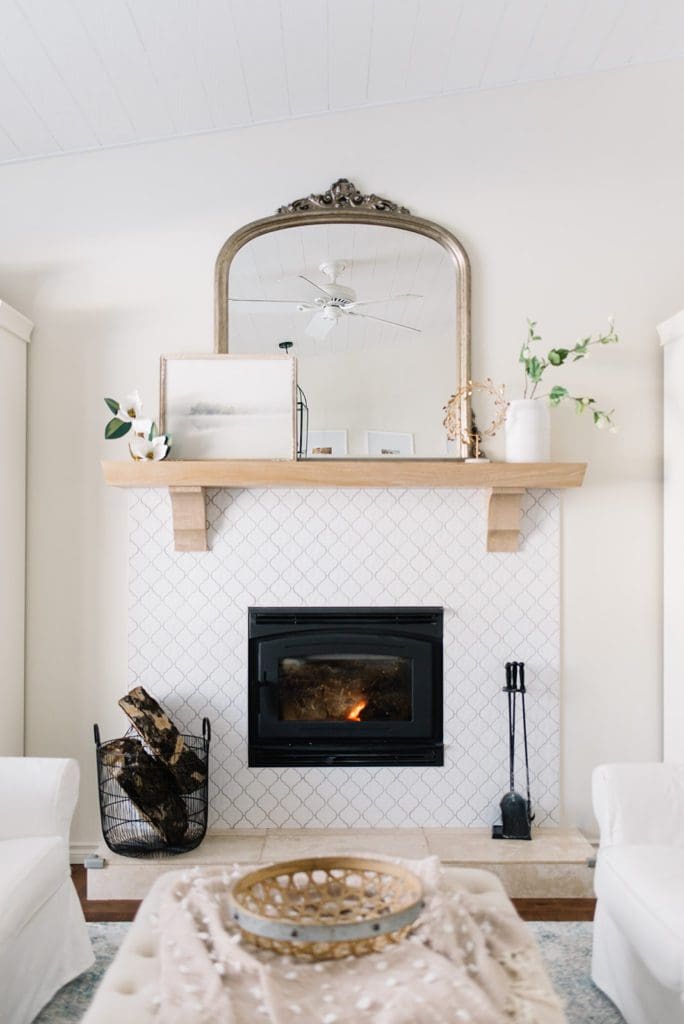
<point x="516" y="811"/>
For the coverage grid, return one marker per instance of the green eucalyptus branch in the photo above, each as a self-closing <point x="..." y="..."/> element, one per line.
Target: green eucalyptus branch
<point x="535" y="366"/>
<point x="557" y="395"/>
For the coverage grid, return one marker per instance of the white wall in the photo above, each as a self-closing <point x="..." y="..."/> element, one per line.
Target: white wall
<point x="671" y="333"/>
<point x="15" y="331"/>
<point x="567" y="196"/>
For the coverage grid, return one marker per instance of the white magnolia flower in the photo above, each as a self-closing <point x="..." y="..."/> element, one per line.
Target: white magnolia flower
<point x="132" y="407"/>
<point x="141" y="428"/>
<point x="155" y="450"/>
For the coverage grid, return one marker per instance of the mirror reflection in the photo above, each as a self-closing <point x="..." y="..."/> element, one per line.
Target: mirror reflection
<point x="369" y="311"/>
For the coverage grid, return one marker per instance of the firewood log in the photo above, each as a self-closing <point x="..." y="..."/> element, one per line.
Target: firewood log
<point x="149" y="785"/>
<point x="164" y="739"/>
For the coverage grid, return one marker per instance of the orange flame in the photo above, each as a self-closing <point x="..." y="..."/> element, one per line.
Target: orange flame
<point x="355" y="714"/>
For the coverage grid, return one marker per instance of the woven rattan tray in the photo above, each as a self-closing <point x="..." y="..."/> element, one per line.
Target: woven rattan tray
<point x="326" y="907"/>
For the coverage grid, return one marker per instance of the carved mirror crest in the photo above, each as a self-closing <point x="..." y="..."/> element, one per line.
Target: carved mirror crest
<point x="376" y="305"/>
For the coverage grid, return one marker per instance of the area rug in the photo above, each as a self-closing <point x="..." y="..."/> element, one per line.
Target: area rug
<point x="565" y="947"/>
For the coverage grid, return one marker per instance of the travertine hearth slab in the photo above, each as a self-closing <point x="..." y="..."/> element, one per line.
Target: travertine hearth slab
<point x="474" y="845"/>
<point x="130" y="878"/>
<point x="286" y="844"/>
<point x="554" y="864"/>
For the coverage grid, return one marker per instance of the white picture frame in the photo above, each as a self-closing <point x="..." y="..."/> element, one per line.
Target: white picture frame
<point x="383" y="444"/>
<point x="216" y="406"/>
<point x="336" y="440"/>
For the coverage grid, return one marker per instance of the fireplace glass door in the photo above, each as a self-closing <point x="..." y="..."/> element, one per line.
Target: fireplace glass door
<point x="354" y="687"/>
<point x="345" y="686"/>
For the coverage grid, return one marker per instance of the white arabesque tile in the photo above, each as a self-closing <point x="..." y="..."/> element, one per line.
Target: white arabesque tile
<point x="188" y="641"/>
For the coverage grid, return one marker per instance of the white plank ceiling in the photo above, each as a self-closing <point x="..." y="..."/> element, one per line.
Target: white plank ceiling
<point x="87" y="74"/>
<point x="379" y="264"/>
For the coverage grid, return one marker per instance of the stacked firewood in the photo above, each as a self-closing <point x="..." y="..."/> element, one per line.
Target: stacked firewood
<point x="155" y="769"/>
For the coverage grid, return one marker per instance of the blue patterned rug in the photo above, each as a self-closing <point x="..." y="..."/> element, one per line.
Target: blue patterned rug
<point x="565" y="946"/>
<point x="566" y="949"/>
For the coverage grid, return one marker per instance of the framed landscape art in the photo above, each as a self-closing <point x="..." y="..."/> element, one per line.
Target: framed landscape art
<point x="228" y="406"/>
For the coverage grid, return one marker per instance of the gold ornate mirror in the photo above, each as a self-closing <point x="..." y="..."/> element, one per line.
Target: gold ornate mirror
<point x="375" y="305"/>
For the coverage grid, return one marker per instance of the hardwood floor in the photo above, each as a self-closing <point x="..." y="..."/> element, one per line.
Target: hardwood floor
<point x="529" y="909"/>
<point x="101" y="910"/>
<point x="556" y="910"/>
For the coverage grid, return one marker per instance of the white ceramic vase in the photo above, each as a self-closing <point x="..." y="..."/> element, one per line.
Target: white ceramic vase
<point x="528" y="431"/>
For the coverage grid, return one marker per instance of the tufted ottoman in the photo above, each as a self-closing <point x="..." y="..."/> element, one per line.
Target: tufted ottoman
<point x="129" y="991"/>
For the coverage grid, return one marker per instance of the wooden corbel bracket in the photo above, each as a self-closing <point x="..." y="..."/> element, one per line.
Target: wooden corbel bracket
<point x="189" y="518"/>
<point x="187" y="482"/>
<point x="503" y="518"/>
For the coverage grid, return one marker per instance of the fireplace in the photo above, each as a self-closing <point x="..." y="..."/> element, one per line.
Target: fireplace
<point x="345" y="686"/>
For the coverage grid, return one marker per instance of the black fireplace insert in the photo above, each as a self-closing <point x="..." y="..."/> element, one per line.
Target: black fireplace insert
<point x="345" y="686"/>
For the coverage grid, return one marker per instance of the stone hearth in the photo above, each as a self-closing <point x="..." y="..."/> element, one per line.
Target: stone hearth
<point x="553" y="865"/>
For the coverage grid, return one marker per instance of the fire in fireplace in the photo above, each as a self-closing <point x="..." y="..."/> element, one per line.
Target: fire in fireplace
<point x="318" y="688"/>
<point x="354" y="686"/>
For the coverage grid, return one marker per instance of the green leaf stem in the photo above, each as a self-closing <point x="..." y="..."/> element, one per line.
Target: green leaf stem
<point x="535" y="366"/>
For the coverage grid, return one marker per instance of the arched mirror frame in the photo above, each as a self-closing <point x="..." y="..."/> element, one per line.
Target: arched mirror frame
<point x="344" y="202"/>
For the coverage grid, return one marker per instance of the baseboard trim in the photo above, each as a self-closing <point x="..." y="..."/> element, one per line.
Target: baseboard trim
<point x="79" y="851"/>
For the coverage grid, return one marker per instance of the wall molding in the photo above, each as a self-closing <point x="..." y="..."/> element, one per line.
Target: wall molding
<point x="14" y="322"/>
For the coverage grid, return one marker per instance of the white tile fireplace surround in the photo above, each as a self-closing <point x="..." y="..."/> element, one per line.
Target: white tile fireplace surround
<point x="188" y="640"/>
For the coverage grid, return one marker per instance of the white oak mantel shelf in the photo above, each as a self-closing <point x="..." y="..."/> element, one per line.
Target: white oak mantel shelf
<point x="187" y="482"/>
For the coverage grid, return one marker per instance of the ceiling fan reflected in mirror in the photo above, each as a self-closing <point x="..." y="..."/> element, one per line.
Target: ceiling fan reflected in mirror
<point x="334" y="302"/>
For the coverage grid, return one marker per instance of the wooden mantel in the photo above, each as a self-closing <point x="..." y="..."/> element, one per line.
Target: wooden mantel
<point x="187" y="481"/>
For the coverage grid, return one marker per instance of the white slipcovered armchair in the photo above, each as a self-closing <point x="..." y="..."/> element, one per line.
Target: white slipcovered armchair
<point x="638" y="956"/>
<point x="43" y="937"/>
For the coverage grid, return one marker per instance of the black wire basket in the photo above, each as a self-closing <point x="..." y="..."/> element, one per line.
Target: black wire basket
<point x="126" y="830"/>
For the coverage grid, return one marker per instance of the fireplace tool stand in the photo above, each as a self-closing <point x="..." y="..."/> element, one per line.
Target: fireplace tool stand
<point x="516" y="812"/>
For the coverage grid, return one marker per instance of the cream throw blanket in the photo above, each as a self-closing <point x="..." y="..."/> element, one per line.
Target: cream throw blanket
<point x="470" y="959"/>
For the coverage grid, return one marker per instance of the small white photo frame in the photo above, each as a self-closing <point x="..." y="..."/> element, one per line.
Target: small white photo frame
<point x="228" y="406"/>
<point x="386" y="444"/>
<point x="330" y="444"/>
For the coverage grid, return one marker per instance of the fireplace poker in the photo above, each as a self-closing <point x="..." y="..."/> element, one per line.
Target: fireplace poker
<point x="516" y="812"/>
<point x="523" y="693"/>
